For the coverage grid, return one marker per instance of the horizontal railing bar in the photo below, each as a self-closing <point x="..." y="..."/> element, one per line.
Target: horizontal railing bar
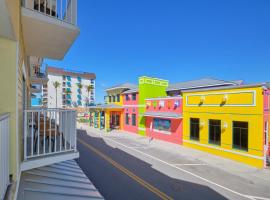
<point x="52" y="153"/>
<point x="4" y="116"/>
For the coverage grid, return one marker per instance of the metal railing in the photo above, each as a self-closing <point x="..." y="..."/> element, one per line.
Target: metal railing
<point x="49" y="131"/>
<point x="39" y="71"/>
<point x="64" y="10"/>
<point x="4" y="154"/>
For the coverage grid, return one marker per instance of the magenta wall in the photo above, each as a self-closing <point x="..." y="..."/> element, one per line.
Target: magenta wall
<point x="168" y="107"/>
<point x="266" y="107"/>
<point x="130" y="107"/>
<point x="175" y="135"/>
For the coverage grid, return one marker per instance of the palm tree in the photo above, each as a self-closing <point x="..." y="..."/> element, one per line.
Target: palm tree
<point x="89" y="88"/>
<point x="80" y="86"/>
<point x="56" y="85"/>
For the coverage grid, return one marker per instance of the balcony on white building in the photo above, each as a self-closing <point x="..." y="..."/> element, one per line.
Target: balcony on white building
<point x="38" y="74"/>
<point x="49" y="27"/>
<point x="49" y="137"/>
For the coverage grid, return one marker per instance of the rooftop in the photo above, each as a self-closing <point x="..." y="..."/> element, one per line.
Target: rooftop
<point x="264" y="84"/>
<point x="123" y="86"/>
<point x="67" y="72"/>
<point x="106" y="106"/>
<point x="201" y="83"/>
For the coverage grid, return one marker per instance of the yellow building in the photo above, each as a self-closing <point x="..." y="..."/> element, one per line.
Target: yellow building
<point x="109" y="116"/>
<point x="28" y="34"/>
<point x="228" y="121"/>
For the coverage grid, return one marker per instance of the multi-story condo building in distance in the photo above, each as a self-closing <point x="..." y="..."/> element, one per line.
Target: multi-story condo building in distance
<point x="66" y="88"/>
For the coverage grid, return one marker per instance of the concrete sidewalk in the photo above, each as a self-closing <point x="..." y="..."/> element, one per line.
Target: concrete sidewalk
<point x="191" y="156"/>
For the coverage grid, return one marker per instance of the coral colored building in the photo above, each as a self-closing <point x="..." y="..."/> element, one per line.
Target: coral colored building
<point x="164" y="119"/>
<point x="131" y="112"/>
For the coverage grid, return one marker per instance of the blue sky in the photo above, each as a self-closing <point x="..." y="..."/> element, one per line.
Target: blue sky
<point x="171" y="39"/>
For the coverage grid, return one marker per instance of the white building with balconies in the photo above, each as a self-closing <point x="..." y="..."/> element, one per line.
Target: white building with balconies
<point x="76" y="89"/>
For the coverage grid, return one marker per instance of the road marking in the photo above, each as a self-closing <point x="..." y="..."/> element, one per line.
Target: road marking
<point x="258" y="198"/>
<point x="188" y="172"/>
<point x="189" y="164"/>
<point x="127" y="172"/>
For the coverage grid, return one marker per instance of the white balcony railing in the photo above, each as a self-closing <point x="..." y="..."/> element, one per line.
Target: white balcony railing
<point x="64" y="10"/>
<point x="4" y="154"/>
<point x="49" y="132"/>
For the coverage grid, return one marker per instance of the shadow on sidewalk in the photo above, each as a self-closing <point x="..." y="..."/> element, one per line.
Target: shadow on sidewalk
<point x="114" y="184"/>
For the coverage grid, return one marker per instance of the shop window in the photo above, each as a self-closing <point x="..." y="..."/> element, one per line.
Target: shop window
<point x="127" y="120"/>
<point x="110" y="99"/>
<point x="214" y="131"/>
<point x="133" y="97"/>
<point x="133" y="119"/>
<point x="194" y="128"/>
<point x="113" y="98"/>
<point x="162" y="124"/>
<point x="240" y="135"/>
<point x="127" y="97"/>
<point x="118" y="98"/>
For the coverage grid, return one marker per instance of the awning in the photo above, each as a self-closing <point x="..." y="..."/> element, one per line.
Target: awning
<point x="170" y="115"/>
<point x="106" y="106"/>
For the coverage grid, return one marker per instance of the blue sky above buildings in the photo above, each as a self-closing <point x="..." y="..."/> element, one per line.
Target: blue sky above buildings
<point x="175" y="40"/>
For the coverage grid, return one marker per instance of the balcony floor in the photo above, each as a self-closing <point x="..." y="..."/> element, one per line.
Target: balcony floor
<point x="61" y="181"/>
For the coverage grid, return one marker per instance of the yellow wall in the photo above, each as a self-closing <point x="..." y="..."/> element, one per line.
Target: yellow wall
<point x="8" y="103"/>
<point x="115" y="92"/>
<point x="244" y="104"/>
<point x="12" y="58"/>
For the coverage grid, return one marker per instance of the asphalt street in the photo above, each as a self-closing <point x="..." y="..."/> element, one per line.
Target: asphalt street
<point x="119" y="175"/>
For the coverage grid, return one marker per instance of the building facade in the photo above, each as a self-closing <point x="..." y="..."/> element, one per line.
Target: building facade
<point x="28" y="34"/>
<point x="75" y="89"/>
<point x="225" y="118"/>
<point x="230" y="121"/>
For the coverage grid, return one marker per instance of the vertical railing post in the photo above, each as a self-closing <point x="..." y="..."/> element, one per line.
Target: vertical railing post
<point x="60" y="128"/>
<point x="4" y="154"/>
<point x="32" y="133"/>
<point x="75" y="10"/>
<point x="55" y="128"/>
<point x="38" y="133"/>
<point x="44" y="132"/>
<point x="61" y="9"/>
<point x="75" y="131"/>
<point x="25" y="135"/>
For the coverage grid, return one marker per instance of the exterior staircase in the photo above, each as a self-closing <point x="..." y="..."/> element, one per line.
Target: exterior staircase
<point x="61" y="181"/>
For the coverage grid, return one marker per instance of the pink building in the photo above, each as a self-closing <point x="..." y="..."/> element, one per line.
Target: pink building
<point x="164" y="119"/>
<point x="130" y="104"/>
<point x="266" y="121"/>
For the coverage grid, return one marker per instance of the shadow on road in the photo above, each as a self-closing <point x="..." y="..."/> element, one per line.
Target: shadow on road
<point x="114" y="184"/>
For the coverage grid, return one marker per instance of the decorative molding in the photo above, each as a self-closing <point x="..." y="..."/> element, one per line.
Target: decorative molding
<point x="253" y="92"/>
